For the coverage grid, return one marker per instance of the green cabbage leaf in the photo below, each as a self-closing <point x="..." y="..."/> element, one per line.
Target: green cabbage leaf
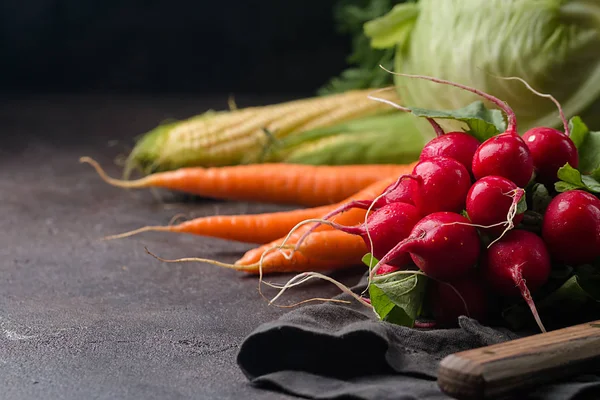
<point x="552" y="44"/>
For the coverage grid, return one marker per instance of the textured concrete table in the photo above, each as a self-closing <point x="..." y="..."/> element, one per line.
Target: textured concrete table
<point x="81" y="318"/>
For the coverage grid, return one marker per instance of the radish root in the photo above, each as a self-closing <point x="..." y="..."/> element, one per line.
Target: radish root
<point x="459" y="296"/>
<point x="546" y="95"/>
<point x="297" y="280"/>
<point x="516" y="195"/>
<point x="305" y="276"/>
<point x="517" y="276"/>
<point x="347" y="206"/>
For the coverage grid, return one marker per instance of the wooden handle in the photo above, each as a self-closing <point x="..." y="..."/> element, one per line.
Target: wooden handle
<point x="505" y="368"/>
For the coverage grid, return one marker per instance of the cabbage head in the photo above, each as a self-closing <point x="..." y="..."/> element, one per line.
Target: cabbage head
<point x="553" y="44"/>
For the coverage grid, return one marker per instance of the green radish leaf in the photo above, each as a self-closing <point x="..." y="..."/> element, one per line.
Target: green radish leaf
<point x="482" y="122"/>
<point x="589" y="280"/>
<point x="369" y="260"/>
<point x="570" y="179"/>
<point x="397" y="297"/>
<point x="386" y="309"/>
<point x="522" y="205"/>
<point x="540" y="198"/>
<point x="406" y="291"/>
<point x="571" y="293"/>
<point x="589" y="155"/>
<point x="578" y="131"/>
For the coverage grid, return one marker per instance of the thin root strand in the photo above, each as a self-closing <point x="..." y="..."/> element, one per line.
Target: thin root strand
<point x="512" y="119"/>
<point x="436" y="127"/>
<point x="546" y="95"/>
<point x="202" y="260"/>
<point x="137" y="231"/>
<point x="139" y="183"/>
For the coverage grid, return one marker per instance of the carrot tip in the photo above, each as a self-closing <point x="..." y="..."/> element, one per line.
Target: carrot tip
<point x="203" y="260"/>
<point x="136" y="231"/>
<point x="112" y="181"/>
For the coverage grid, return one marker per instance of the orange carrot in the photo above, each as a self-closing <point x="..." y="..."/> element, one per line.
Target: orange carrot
<point x="326" y="250"/>
<point x="264" y="228"/>
<point x="348" y="218"/>
<point x="305" y="185"/>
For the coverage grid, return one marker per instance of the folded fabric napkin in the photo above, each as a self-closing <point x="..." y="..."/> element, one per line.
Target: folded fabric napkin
<point x="342" y="351"/>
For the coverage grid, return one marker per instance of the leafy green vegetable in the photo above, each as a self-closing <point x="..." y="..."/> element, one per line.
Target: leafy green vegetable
<point x="589" y="155"/>
<point x="397" y="297"/>
<point x="363" y="71"/>
<point x="589" y="280"/>
<point x="482" y="122"/>
<point x="405" y="291"/>
<point x="578" y="131"/>
<point x="522" y="205"/>
<point x="394" y="27"/>
<point x="552" y="44"/>
<point x="386" y="309"/>
<point x="369" y="260"/>
<point x="571" y="179"/>
<point x="540" y="198"/>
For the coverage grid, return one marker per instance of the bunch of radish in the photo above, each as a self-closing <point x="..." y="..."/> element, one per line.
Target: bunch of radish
<point x="457" y="217"/>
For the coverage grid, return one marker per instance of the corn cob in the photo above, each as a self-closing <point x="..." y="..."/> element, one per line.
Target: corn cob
<point x="219" y="138"/>
<point x="385" y="139"/>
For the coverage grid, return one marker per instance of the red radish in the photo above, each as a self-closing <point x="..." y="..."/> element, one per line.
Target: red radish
<point x="386" y="227"/>
<point x="444" y="245"/>
<point x="441" y="184"/>
<point x="505" y="154"/>
<point x="465" y="296"/>
<point x="550" y="149"/>
<point x="492" y="200"/>
<point x="518" y="263"/>
<point x="571" y="227"/>
<point x="456" y="145"/>
<point x="397" y="192"/>
<point x="387" y="269"/>
<point x="401" y="193"/>
<point x="436" y="184"/>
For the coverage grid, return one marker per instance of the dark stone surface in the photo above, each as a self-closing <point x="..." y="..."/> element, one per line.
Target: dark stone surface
<point x="85" y="318"/>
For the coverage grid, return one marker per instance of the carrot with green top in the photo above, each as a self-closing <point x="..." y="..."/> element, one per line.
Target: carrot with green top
<point x="304" y="185"/>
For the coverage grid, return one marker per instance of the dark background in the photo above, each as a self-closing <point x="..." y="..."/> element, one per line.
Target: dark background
<point x="166" y="47"/>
